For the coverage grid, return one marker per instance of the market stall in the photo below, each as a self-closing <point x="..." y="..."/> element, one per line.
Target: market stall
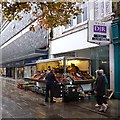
<point x="72" y="75"/>
<point x="65" y="73"/>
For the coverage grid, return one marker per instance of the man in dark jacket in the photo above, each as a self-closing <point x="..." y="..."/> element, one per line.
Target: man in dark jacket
<point x="50" y="79"/>
<point x="100" y="91"/>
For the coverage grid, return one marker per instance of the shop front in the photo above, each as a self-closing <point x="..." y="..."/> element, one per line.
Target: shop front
<point x="29" y="70"/>
<point x="92" y="41"/>
<point x="98" y="58"/>
<point x="30" y="65"/>
<point x="20" y="72"/>
<point x="9" y="70"/>
<point x="19" y="69"/>
<point x="3" y="71"/>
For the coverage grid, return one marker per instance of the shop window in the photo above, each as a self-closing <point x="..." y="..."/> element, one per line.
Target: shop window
<point x="100" y="59"/>
<point x="67" y="26"/>
<point x="84" y="14"/>
<point x="71" y="23"/>
<point x="79" y="19"/>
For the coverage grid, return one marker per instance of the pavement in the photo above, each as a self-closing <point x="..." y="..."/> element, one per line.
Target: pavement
<point x="17" y="103"/>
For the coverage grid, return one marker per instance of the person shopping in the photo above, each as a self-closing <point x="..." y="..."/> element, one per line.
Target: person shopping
<point x="100" y="91"/>
<point x="50" y="79"/>
<point x="106" y="87"/>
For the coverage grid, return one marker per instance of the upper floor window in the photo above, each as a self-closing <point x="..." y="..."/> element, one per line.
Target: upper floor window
<point x="83" y="16"/>
<point x="102" y="8"/>
<point x="80" y="18"/>
<point x="71" y="23"/>
<point x="85" y="13"/>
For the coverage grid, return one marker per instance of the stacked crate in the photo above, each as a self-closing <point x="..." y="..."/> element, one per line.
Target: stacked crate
<point x="70" y="93"/>
<point x="58" y="92"/>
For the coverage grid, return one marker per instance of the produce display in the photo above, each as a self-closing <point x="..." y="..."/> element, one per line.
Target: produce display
<point x="38" y="76"/>
<point x="87" y="76"/>
<point x="76" y="76"/>
<point x="68" y="86"/>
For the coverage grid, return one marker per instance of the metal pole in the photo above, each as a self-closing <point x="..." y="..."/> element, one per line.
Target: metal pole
<point x="64" y="64"/>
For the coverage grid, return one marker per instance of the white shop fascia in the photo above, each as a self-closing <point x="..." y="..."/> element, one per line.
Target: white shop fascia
<point x="72" y="41"/>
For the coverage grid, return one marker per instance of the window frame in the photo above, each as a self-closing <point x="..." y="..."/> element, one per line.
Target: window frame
<point x="74" y="21"/>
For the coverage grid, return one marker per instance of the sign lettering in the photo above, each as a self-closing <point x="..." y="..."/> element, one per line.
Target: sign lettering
<point x="101" y="29"/>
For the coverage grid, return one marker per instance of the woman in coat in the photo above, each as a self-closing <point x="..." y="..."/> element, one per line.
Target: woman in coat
<point x="100" y="91"/>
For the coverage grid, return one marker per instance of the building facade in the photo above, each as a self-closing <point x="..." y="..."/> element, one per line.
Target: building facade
<point x="21" y="46"/>
<point x="72" y="40"/>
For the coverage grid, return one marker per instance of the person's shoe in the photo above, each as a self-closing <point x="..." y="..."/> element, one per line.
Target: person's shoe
<point x="97" y="105"/>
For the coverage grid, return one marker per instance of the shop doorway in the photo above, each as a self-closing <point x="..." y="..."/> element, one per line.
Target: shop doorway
<point x="100" y="64"/>
<point x="20" y="73"/>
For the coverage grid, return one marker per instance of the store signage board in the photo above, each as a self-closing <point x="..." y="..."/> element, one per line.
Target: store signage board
<point x="99" y="32"/>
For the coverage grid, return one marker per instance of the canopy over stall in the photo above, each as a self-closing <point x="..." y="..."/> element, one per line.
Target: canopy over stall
<point x="64" y="62"/>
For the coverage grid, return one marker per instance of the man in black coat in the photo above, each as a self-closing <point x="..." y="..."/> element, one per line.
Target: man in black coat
<point x="50" y="79"/>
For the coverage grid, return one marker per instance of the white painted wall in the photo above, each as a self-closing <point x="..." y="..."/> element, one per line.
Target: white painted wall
<point x="74" y="41"/>
<point x="91" y="10"/>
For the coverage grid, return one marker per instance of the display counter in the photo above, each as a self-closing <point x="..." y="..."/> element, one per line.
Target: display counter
<point x="40" y="80"/>
<point x="83" y="81"/>
<point x="65" y="73"/>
